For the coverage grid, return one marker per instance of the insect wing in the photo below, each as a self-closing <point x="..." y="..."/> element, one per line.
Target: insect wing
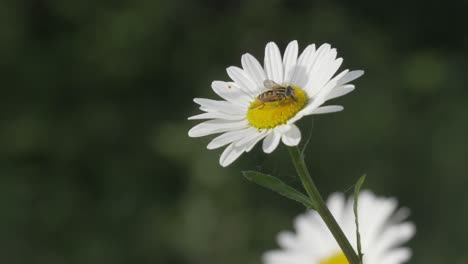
<point x="269" y="84"/>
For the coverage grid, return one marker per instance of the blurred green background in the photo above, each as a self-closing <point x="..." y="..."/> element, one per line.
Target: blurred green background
<point x="96" y="165"/>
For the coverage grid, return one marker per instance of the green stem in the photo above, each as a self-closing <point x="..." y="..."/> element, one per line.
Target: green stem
<point x="322" y="208"/>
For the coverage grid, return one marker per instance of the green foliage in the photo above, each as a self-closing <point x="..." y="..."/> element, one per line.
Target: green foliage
<point x="276" y="185"/>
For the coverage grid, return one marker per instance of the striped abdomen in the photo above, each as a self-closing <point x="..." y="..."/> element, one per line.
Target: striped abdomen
<point x="272" y="95"/>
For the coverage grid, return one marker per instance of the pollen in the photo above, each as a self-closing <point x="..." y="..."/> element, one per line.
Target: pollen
<point x="271" y="114"/>
<point x="338" y="258"/>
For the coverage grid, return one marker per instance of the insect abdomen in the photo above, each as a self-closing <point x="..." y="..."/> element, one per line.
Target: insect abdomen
<point x="265" y="94"/>
<point x="272" y="95"/>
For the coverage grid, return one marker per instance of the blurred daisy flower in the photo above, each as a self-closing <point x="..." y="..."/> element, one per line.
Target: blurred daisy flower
<point x="381" y="226"/>
<point x="265" y="102"/>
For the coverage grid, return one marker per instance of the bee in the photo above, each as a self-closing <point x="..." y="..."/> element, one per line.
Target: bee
<point x="276" y="92"/>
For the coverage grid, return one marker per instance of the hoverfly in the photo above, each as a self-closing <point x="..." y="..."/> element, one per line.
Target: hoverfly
<point x="276" y="92"/>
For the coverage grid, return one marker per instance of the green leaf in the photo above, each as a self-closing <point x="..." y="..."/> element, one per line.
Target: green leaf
<point x="278" y="186"/>
<point x="357" y="188"/>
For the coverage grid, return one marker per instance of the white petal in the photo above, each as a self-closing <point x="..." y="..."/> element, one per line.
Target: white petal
<point x="319" y="72"/>
<point x="323" y="77"/>
<point x="375" y="215"/>
<point x="209" y="105"/>
<point x="216" y="126"/>
<point x="300" y="76"/>
<point x="213" y="115"/>
<point x="250" y="137"/>
<point x="394" y="236"/>
<point x="340" y="91"/>
<point x="231" y="92"/>
<point x="271" y="142"/>
<point x="282" y="129"/>
<point x="228" y="138"/>
<point x="273" y="63"/>
<point x="318" y="58"/>
<point x="324" y="56"/>
<point x="296" y="118"/>
<point x="311" y="106"/>
<point x="348" y="224"/>
<point x="286" y="257"/>
<point x="316" y="101"/>
<point x="230" y="154"/>
<point x="400" y="215"/>
<point x="310" y="66"/>
<point x="327" y="109"/>
<point x="292" y="137"/>
<point x="289" y="61"/>
<point x="288" y="240"/>
<point x="400" y="255"/>
<point x="336" y="203"/>
<point x="255" y="140"/>
<point x="312" y="231"/>
<point x="242" y="79"/>
<point x="253" y="68"/>
<point x="350" y="76"/>
<point x="233" y="151"/>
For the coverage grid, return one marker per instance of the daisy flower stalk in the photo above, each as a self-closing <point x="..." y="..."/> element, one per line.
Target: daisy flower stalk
<point x="383" y="230"/>
<point x="263" y="103"/>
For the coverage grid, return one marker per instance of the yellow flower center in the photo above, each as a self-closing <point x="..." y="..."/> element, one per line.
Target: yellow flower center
<point x="264" y="114"/>
<point x="338" y="258"/>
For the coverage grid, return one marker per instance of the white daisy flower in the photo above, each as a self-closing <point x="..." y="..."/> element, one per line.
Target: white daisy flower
<point x="381" y="227"/>
<point x="249" y="113"/>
